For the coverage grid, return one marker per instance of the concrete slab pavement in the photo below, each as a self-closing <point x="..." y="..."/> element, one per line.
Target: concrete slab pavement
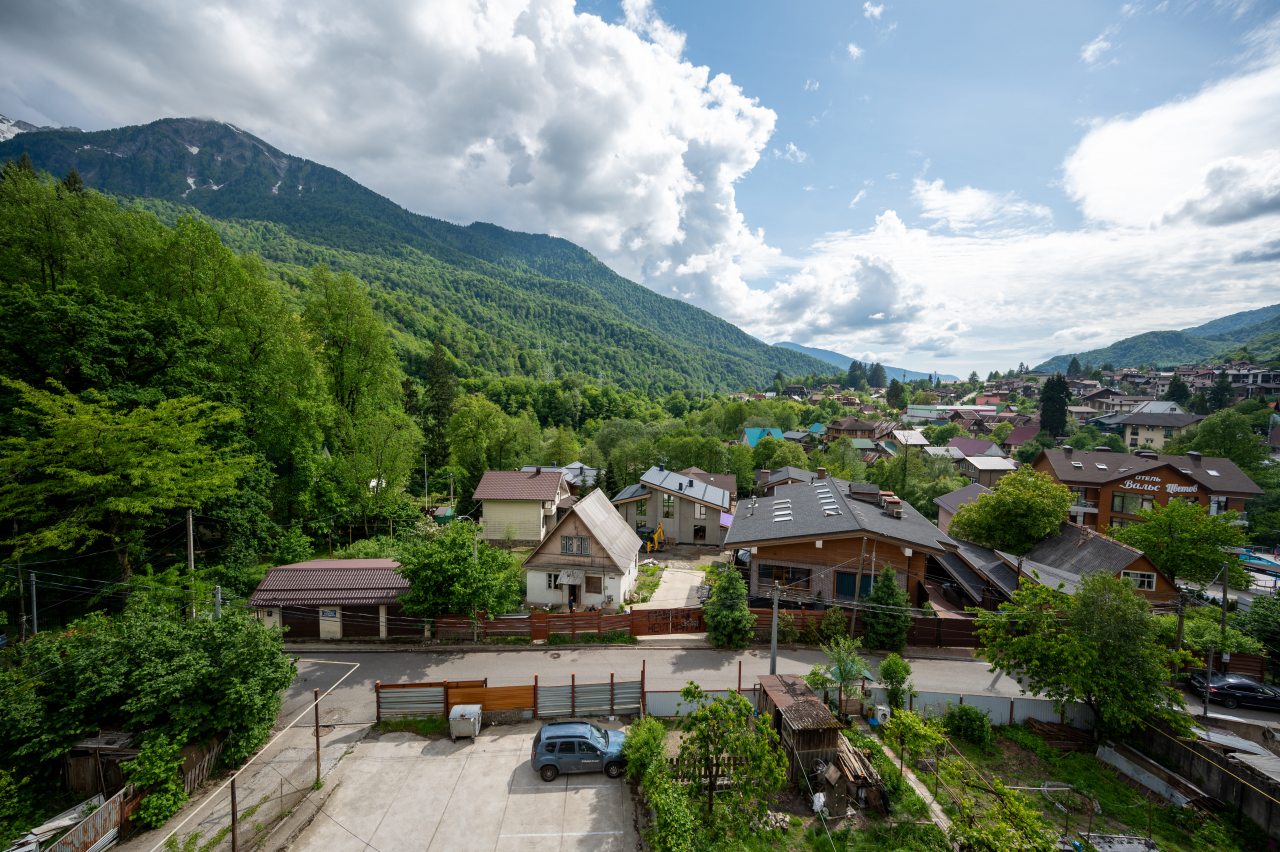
<point x="399" y="791"/>
<point x="677" y="588"/>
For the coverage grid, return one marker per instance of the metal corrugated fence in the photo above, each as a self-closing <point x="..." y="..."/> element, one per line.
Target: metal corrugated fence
<point x="1001" y="710"/>
<point x="411" y="702"/>
<point x="589" y="699"/>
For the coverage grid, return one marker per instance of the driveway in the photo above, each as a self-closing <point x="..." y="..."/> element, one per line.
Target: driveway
<point x="399" y="791"/>
<point x="681" y="576"/>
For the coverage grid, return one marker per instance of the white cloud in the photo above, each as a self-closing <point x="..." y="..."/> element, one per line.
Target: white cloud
<point x="811" y="85"/>
<point x="791" y="153"/>
<point x="853" y="202"/>
<point x="970" y="209"/>
<point x="521" y="112"/>
<point x="855" y="52"/>
<point x="871" y="11"/>
<point x="1093" y="52"/>
<point x="1136" y="171"/>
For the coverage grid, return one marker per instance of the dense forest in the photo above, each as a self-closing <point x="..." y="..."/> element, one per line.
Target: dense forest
<point x="499" y="302"/>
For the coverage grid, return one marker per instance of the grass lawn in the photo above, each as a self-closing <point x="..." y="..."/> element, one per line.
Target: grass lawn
<point x="647" y="583"/>
<point x="1019" y="758"/>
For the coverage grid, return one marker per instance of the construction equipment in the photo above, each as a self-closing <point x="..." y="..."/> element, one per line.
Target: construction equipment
<point x="653" y="538"/>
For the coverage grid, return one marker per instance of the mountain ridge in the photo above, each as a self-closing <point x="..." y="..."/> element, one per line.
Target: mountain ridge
<point x="836" y="359"/>
<point x="503" y="302"/>
<point x="1253" y="329"/>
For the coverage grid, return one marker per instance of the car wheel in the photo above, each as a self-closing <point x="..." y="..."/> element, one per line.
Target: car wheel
<point x="548" y="772"/>
<point x="613" y="770"/>
<point x="1230" y="703"/>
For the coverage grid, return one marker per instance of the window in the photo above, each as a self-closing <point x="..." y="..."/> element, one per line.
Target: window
<point x="1168" y="434"/>
<point x="764" y="575"/>
<point x="1143" y="581"/>
<point x="584" y="546"/>
<point x="787" y="575"/>
<point x="1217" y="504"/>
<point x="699" y="532"/>
<point x="642" y="508"/>
<point x="1133" y="442"/>
<point x="552" y="579"/>
<point x="568" y="747"/>
<point x="549" y="747"/>
<point x="566" y="544"/>
<point x="1129" y="504"/>
<point x="668" y="506"/>
<point x="595" y="585"/>
<point x="699" y="511"/>
<point x="846" y="585"/>
<point x="586" y="748"/>
<point x="571" y="545"/>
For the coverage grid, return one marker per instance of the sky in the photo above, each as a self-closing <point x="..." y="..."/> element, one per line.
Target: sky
<point x="943" y="186"/>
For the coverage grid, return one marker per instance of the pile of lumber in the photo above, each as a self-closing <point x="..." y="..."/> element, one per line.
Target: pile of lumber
<point x="858" y="777"/>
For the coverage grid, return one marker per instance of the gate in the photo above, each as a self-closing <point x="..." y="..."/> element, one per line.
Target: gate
<point x="300" y="622"/>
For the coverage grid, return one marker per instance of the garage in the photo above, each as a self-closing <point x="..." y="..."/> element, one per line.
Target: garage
<point x="300" y="622"/>
<point x="335" y="599"/>
<point x="361" y="622"/>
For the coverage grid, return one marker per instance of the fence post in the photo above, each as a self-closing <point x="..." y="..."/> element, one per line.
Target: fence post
<point x="235" y="821"/>
<point x="962" y="699"/>
<point x="377" y="701"/>
<point x="937" y="632"/>
<point x="643" y="698"/>
<point x="670" y="616"/>
<point x="316" y="707"/>
<point x="1010" y="711"/>
<point x="739" y="677"/>
<point x="911" y="702"/>
<point x="535" y="696"/>
<point x="611" y="713"/>
<point x="573" y="694"/>
<point x="444" y="684"/>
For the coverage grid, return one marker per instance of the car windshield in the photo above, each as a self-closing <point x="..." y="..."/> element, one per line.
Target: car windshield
<point x="598" y="734"/>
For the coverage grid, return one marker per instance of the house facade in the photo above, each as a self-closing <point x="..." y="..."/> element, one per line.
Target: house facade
<point x="1111" y="488"/>
<point x="518" y="507"/>
<point x="827" y="540"/>
<point x="689" y="510"/>
<point x="1156" y="428"/>
<point x="589" y="558"/>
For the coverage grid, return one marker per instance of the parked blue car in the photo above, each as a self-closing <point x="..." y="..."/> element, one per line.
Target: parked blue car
<point x="577" y="747"/>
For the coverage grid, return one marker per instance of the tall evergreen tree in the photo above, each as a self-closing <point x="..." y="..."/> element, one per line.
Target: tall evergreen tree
<point x="857" y="376"/>
<point x="887" y="614"/>
<point x="1074" y="369"/>
<point x="1178" y="391"/>
<point x="1053" y="405"/>
<point x="876" y="376"/>
<point x="1221" y="395"/>
<point x="896" y="395"/>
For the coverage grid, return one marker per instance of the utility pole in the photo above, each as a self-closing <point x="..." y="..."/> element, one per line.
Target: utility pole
<point x="191" y="561"/>
<point x="35" y="618"/>
<point x="1208" y="672"/>
<point x="1181" y="618"/>
<point x="426" y="486"/>
<point x="773" y="634"/>
<point x="315" y="694"/>
<point x="217" y="602"/>
<point x="22" y="607"/>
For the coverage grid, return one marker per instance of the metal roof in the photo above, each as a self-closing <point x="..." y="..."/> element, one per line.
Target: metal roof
<point x="953" y="500"/>
<point x="608" y="528"/>
<point x="349" y="584"/>
<point x="991" y="463"/>
<point x="681" y="485"/>
<point x="519" y="485"/>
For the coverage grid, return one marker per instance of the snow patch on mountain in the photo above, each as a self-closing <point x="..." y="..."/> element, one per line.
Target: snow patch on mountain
<point x="11" y="127"/>
<point x="194" y="149"/>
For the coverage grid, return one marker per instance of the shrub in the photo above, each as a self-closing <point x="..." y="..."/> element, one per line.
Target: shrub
<point x="674" y="827"/>
<point x="887" y="616"/>
<point x="730" y="621"/>
<point x="968" y="723"/>
<point x="788" y="632"/>
<point x="835" y="624"/>
<point x="894" y="674"/>
<point x="645" y="746"/>
<point x="155" y="769"/>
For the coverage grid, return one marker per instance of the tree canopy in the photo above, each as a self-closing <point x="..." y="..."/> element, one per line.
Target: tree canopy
<point x="1184" y="540"/>
<point x="1054" y="398"/>
<point x="1099" y="646"/>
<point x="1023" y="509"/>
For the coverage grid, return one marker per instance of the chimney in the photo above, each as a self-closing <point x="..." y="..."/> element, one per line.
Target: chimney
<point x="893" y="505"/>
<point x="537" y="471"/>
<point x="1195" y="457"/>
<point x="822" y="473"/>
<point x="691" y="482"/>
<point x="662" y="467"/>
<point x="1066" y="451"/>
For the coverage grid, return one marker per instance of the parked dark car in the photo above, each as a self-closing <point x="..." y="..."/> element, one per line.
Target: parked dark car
<point x="576" y="747"/>
<point x="1233" y="690"/>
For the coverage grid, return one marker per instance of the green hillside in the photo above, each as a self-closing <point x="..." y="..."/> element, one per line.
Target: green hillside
<point x="1256" y="331"/>
<point x="501" y="302"/>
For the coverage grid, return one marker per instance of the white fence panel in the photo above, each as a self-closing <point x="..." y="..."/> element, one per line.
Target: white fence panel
<point x="668" y="704"/>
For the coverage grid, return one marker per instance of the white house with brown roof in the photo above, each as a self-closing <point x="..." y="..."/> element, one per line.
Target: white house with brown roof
<point x="589" y="557"/>
<point x="520" y="506"/>
<point x="336" y="599"/>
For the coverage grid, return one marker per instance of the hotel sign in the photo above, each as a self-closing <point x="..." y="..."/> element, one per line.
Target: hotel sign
<point x="1155" y="483"/>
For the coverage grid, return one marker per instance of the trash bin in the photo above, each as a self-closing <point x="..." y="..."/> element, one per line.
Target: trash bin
<point x="464" y="721"/>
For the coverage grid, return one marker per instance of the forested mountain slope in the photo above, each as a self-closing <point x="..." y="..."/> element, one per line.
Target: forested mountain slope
<point x="501" y="302"/>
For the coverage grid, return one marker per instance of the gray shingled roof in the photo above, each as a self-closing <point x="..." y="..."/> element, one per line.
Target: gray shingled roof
<point x="1077" y="552"/>
<point x="1097" y="468"/>
<point x="1159" y="418"/>
<point x="679" y="484"/>
<point x="955" y="499"/>
<point x="823" y="508"/>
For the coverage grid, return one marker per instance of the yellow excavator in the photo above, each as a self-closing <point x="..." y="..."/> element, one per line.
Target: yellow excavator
<point x="654" y="539"/>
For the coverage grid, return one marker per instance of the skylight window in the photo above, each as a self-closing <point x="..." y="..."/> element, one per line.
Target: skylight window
<point x="1078" y="465"/>
<point x="1214" y="473"/>
<point x="1100" y="465"/>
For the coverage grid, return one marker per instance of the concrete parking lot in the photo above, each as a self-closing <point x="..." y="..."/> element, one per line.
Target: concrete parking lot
<point x="400" y="791"/>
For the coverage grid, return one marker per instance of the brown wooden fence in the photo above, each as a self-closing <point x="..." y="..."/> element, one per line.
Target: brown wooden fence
<point x="437" y="698"/>
<point x="1249" y="665"/>
<point x="539" y="626"/>
<point x="926" y="630"/>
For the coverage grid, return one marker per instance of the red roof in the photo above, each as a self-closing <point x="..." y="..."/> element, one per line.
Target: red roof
<point x="1021" y="434"/>
<point x="518" y="485"/>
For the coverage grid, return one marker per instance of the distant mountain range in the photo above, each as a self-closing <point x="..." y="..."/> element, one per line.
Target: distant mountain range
<point x="843" y="361"/>
<point x="1258" y="331"/>
<point x="501" y="302"/>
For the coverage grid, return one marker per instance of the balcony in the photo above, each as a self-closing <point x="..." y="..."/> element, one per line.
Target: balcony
<point x="1082" y="505"/>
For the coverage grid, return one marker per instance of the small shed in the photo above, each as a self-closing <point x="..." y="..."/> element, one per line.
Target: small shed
<point x="808" y="730"/>
<point x="93" y="765"/>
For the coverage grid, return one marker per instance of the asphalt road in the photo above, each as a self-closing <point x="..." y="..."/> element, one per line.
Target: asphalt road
<point x="352" y="702"/>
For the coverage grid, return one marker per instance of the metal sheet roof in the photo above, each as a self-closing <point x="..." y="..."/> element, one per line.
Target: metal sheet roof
<point x="519" y="485"/>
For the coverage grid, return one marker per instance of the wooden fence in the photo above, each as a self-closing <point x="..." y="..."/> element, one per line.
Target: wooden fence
<point x="437" y="698"/>
<point x="539" y="626"/>
<point x="926" y="630"/>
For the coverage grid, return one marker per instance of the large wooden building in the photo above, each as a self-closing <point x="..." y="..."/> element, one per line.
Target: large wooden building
<point x="1111" y="488"/>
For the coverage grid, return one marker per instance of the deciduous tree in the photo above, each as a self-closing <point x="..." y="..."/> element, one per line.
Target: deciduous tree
<point x="1024" y="508"/>
<point x="453" y="571"/>
<point x="1184" y="540"/>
